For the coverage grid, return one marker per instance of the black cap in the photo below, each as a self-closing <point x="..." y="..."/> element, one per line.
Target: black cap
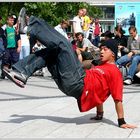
<point x="108" y="34"/>
<point x="112" y="45"/>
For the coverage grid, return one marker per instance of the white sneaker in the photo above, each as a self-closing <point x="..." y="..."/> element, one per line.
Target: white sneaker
<point x="138" y="74"/>
<point x="128" y="81"/>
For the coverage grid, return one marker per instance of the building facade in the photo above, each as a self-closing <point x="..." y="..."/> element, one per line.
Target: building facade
<point x="108" y="8"/>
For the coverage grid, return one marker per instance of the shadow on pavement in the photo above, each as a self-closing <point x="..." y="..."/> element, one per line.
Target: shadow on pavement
<point x="77" y="120"/>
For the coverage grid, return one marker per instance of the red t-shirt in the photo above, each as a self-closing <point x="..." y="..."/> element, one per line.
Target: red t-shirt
<point x="97" y="30"/>
<point x="99" y="83"/>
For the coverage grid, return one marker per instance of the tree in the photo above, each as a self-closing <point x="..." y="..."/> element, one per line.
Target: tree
<point x="53" y="12"/>
<point x="10" y="8"/>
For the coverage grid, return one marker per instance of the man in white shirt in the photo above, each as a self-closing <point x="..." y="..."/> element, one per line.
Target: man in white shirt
<point x="78" y="23"/>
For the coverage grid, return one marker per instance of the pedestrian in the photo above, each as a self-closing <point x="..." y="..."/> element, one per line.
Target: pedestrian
<point x="25" y="45"/>
<point x="13" y="44"/>
<point x="78" y="23"/>
<point x="97" y="31"/>
<point x="86" y="22"/>
<point x="91" y="87"/>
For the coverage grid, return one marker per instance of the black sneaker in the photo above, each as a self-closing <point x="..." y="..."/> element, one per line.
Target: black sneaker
<point x="22" y="20"/>
<point x="2" y="75"/>
<point x="16" y="77"/>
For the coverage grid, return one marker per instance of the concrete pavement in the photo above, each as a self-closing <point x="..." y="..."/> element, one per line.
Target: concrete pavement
<point x="41" y="110"/>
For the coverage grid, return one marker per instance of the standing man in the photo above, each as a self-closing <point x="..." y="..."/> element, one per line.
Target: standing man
<point x="78" y="23"/>
<point x="86" y="22"/>
<point x="13" y="46"/>
<point x="97" y="31"/>
<point x="25" y="45"/>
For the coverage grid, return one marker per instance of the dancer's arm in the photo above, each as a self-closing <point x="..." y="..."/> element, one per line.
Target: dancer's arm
<point x="120" y="113"/>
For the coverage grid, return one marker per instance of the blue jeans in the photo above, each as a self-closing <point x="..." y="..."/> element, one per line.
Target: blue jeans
<point x="134" y="64"/>
<point x="96" y="41"/>
<point x="123" y="60"/>
<point x="133" y="67"/>
<point x="25" y="51"/>
<point x="58" y="56"/>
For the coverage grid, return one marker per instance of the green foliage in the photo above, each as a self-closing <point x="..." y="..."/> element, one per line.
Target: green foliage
<point x="8" y="8"/>
<point x="53" y="12"/>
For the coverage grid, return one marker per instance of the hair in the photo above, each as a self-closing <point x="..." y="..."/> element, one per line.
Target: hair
<point x="10" y="17"/>
<point x="108" y="34"/>
<point x="132" y="28"/>
<point x="64" y="22"/>
<point x="119" y="29"/>
<point x="79" y="33"/>
<point x="80" y="10"/>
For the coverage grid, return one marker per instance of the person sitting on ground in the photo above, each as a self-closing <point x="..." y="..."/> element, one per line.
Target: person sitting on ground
<point x="90" y="87"/>
<point x="84" y="47"/>
<point x="121" y="39"/>
<point x="133" y="56"/>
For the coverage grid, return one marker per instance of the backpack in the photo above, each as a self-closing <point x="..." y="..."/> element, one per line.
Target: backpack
<point x="124" y="70"/>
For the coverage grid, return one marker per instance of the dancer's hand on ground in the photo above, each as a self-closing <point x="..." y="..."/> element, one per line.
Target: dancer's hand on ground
<point x="128" y="126"/>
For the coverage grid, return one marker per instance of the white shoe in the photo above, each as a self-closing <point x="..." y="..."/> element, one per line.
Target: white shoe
<point x="128" y="81"/>
<point x="138" y="74"/>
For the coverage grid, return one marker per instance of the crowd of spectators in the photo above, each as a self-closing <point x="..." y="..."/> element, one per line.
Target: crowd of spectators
<point x="85" y="39"/>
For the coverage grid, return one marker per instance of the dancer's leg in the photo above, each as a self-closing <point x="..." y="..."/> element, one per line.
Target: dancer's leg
<point x="58" y="56"/>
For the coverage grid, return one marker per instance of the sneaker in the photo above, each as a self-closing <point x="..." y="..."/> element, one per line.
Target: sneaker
<point x="22" y="20"/>
<point x="138" y="74"/>
<point x="128" y="82"/>
<point x="2" y="76"/>
<point x="16" y="77"/>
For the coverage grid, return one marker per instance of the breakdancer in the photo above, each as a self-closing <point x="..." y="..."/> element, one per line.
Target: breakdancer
<point x="90" y="87"/>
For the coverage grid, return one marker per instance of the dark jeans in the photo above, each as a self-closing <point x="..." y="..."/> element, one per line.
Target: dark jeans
<point x="96" y="41"/>
<point x="11" y="56"/>
<point x="58" y="56"/>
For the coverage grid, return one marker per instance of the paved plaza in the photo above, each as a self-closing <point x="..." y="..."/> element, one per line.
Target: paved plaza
<point x="41" y="110"/>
